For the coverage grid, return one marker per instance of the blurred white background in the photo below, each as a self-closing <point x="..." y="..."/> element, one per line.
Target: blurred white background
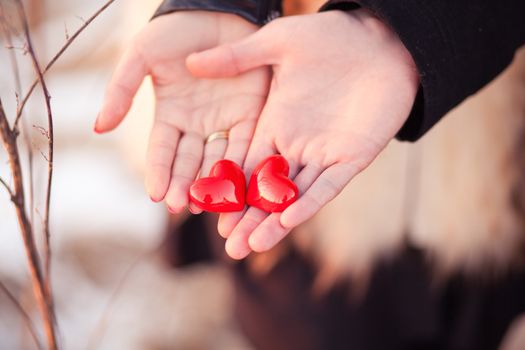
<point x="102" y="223"/>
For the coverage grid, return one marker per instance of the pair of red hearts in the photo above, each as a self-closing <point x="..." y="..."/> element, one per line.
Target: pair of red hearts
<point x="224" y="190"/>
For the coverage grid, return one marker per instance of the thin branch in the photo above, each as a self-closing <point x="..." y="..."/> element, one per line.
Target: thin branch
<point x="31" y="172"/>
<point x="25" y="316"/>
<point x="80" y="18"/>
<point x="47" y="160"/>
<point x="66" y="31"/>
<point x="9" y="142"/>
<point x="42" y="130"/>
<point x="22" y="49"/>
<point x="57" y="56"/>
<point x="18" y="90"/>
<point x="50" y="130"/>
<point x="9" y="190"/>
<point x="12" y="56"/>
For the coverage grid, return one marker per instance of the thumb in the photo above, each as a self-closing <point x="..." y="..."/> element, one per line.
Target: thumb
<point x="233" y="58"/>
<point x="127" y="78"/>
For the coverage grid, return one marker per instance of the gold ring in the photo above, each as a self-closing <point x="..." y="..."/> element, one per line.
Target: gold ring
<point x="217" y="135"/>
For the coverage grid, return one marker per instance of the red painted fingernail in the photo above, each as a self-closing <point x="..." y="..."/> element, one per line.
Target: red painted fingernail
<point x="96" y="128"/>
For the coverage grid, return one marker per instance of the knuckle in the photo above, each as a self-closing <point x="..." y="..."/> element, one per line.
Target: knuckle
<point x="315" y="201"/>
<point x="329" y="189"/>
<point x="213" y="156"/>
<point x="159" y="145"/>
<point x="252" y="219"/>
<point x="159" y="165"/>
<point x="181" y="180"/>
<point x="187" y="158"/>
<point x="123" y="89"/>
<point x="239" y="142"/>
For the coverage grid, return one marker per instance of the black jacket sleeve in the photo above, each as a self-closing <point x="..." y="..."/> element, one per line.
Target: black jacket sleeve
<point x="458" y="46"/>
<point x="256" y="11"/>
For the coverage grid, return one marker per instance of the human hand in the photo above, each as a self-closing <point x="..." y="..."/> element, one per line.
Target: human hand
<point x="187" y="109"/>
<point x="343" y="85"/>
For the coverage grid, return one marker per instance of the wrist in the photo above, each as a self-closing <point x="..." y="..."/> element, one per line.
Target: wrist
<point x="380" y="31"/>
<point x="391" y="52"/>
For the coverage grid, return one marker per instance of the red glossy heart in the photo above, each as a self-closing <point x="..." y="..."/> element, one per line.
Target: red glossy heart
<point x="270" y="189"/>
<point x="223" y="191"/>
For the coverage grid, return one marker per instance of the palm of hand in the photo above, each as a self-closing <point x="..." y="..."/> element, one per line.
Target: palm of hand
<point x="341" y="89"/>
<point x="187" y="109"/>
<point x="198" y="105"/>
<point x="326" y="144"/>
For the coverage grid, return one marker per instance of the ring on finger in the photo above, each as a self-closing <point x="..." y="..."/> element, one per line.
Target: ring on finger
<point x="217" y="135"/>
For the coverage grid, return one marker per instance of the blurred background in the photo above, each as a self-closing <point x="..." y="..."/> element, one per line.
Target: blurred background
<point x="112" y="289"/>
<point x="457" y="196"/>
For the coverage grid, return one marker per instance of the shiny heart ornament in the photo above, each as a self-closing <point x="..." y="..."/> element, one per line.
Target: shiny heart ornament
<point x="270" y="189"/>
<point x="223" y="191"/>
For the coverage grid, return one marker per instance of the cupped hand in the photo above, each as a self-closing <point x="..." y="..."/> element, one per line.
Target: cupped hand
<point x="343" y="84"/>
<point x="188" y="109"/>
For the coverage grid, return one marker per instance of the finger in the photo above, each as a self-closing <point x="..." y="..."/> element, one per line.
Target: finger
<point x="239" y="141"/>
<point x="255" y="220"/>
<point x="325" y="188"/>
<point x="159" y="158"/>
<point x="186" y="165"/>
<point x="307" y="176"/>
<point x="123" y="86"/>
<point x="228" y="221"/>
<point x="235" y="58"/>
<point x="213" y="152"/>
<point x="237" y="245"/>
<point x="258" y="151"/>
<point x="268" y="233"/>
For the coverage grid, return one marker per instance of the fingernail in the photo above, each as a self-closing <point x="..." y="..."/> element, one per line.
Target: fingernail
<point x="96" y="127"/>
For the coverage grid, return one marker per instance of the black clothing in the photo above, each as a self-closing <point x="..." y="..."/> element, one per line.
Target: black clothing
<point x="255" y="11"/>
<point x="458" y="45"/>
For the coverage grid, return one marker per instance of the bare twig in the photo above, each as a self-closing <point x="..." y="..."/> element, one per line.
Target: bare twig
<point x="9" y="190"/>
<point x="18" y="91"/>
<point x="57" y="56"/>
<point x="42" y="130"/>
<point x="27" y="320"/>
<point x="47" y="160"/>
<point x="50" y="130"/>
<point x="81" y="18"/>
<point x="66" y="31"/>
<point x="40" y="281"/>
<point x="22" y="49"/>
<point x="12" y="57"/>
<point x="9" y="142"/>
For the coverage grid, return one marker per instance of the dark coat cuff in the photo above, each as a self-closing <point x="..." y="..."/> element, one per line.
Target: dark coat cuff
<point x="458" y="47"/>
<point x="255" y="11"/>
